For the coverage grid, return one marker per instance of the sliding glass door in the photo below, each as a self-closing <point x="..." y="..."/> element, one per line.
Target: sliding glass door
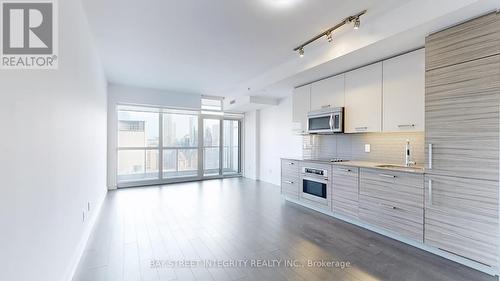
<point x="211" y="147"/>
<point x="231" y="152"/>
<point x="175" y="145"/>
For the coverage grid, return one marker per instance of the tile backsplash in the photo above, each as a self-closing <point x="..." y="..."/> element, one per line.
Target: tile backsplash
<point x="385" y="147"/>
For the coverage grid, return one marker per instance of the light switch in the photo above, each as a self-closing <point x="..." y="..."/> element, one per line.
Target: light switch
<point x="367" y="148"/>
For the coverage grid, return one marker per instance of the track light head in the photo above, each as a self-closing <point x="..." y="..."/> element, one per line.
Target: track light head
<point x="357" y="23"/>
<point x="301" y="52"/>
<point x="329" y="37"/>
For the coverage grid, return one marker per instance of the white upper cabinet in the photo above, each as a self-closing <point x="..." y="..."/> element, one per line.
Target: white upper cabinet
<point x="404" y="92"/>
<point x="328" y="93"/>
<point x="301" y="101"/>
<point x="363" y="99"/>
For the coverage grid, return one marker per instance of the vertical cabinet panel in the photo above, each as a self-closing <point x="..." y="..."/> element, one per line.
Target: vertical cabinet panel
<point x="301" y="103"/>
<point x="404" y="93"/>
<point x="363" y="99"/>
<point x="345" y="191"/>
<point x="461" y="216"/>
<point x="328" y="93"/>
<point x="462" y="119"/>
<point x="475" y="39"/>
<point x="290" y="178"/>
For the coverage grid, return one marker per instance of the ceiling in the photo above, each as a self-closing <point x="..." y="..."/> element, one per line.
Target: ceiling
<point x="208" y="47"/>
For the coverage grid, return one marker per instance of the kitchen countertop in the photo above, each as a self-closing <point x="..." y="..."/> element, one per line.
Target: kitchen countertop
<point x="364" y="164"/>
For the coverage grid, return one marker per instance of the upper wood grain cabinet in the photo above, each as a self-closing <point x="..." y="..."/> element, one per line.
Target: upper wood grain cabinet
<point x="461" y="216"/>
<point x="328" y="93"/>
<point x="301" y="103"/>
<point x="363" y="99"/>
<point x="462" y="119"/>
<point x="404" y="93"/>
<point x="477" y="38"/>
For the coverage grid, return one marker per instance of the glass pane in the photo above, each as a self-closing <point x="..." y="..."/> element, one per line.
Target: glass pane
<point x="138" y="129"/>
<point x="180" y="130"/>
<point x="320" y="123"/>
<point x="180" y="163"/>
<point x="231" y="147"/>
<point x="211" y="150"/>
<point x="211" y="161"/>
<point x="137" y="165"/>
<point x="211" y="133"/>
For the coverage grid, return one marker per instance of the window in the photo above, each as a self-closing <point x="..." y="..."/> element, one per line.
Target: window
<point x="180" y="145"/>
<point x="167" y="145"/>
<point x="138" y="151"/>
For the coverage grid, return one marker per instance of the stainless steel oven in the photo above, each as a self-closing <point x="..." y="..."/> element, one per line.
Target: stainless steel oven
<point x="326" y="121"/>
<point x="315" y="185"/>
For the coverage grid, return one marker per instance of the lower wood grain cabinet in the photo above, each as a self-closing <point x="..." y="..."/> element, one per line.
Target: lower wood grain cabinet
<point x="345" y="191"/>
<point x="392" y="201"/>
<point x="290" y="178"/>
<point x="461" y="217"/>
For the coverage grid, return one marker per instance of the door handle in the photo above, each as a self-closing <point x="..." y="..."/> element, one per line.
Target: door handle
<point x="330" y="122"/>
<point x="289" y="182"/>
<point x="406" y="126"/>
<point x="345" y="170"/>
<point x="430" y="156"/>
<point x="291" y="163"/>
<point x="361" y="128"/>
<point x="387" y="176"/>
<point x="429" y="194"/>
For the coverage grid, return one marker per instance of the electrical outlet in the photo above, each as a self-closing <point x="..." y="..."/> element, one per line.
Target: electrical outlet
<point x="368" y="148"/>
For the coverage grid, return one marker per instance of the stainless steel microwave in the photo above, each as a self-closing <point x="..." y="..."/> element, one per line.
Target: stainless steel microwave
<point x="326" y="121"/>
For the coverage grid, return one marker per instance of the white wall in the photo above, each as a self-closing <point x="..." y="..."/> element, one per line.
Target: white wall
<point x="53" y="156"/>
<point x="277" y="140"/>
<point x="251" y="144"/>
<point x="128" y="95"/>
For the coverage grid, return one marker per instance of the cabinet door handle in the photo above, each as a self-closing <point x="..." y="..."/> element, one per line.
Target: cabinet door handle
<point x="291" y="163"/>
<point x="387" y="176"/>
<point x="406" y="126"/>
<point x="345" y="170"/>
<point x="289" y="182"/>
<point x="388" y="206"/>
<point x="430" y="156"/>
<point x="429" y="195"/>
<point x="361" y="128"/>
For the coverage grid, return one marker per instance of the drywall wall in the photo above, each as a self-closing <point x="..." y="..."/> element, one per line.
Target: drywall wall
<point x="129" y="95"/>
<point x="251" y="144"/>
<point x="276" y="140"/>
<point x="53" y="150"/>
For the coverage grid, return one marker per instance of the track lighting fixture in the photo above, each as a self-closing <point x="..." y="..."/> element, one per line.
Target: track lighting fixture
<point x="329" y="33"/>
<point x="329" y="37"/>
<point x="357" y="23"/>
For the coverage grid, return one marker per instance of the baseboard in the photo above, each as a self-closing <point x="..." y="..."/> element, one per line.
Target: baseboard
<point x="469" y="263"/>
<point x="77" y="256"/>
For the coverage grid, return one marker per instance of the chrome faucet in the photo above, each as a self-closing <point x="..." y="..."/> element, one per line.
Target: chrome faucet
<point x="408" y="161"/>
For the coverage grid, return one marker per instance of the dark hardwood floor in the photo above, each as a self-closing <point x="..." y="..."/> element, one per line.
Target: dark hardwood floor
<point x="141" y="232"/>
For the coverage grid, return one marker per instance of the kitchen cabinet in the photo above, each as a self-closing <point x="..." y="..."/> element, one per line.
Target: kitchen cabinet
<point x="461" y="217"/>
<point x="462" y="119"/>
<point x="290" y="178"/>
<point x="474" y="39"/>
<point x="345" y="191"/>
<point x="301" y="105"/>
<point x="328" y="93"/>
<point x="363" y="99"/>
<point x="392" y="201"/>
<point x="404" y="93"/>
